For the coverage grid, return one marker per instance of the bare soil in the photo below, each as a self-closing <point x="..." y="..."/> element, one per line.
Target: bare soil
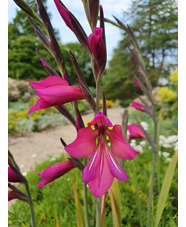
<point x="38" y="146"/>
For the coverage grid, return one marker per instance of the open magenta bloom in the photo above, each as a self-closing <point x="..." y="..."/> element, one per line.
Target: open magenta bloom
<point x="13" y="176"/>
<point x="97" y="44"/>
<point x="102" y="167"/>
<point x="135" y="132"/>
<point x="54" y="91"/>
<point x="54" y="171"/>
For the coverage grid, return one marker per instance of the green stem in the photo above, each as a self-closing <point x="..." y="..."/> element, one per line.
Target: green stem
<point x="98" y="86"/>
<point x="85" y="200"/>
<point x="151" y="189"/>
<point x="98" y="212"/>
<point x="33" y="222"/>
<point x="137" y="193"/>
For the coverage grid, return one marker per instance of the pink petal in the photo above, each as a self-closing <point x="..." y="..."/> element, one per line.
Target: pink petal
<point x="48" y="82"/>
<point x="89" y="171"/>
<point x="135" y="132"/>
<point x="13" y="176"/>
<point x="58" y="95"/>
<point x="119" y="145"/>
<point x="97" y="44"/>
<point x="103" y="179"/>
<point x="137" y="84"/>
<point x="115" y="168"/>
<point x="84" y="145"/>
<point x="64" y="14"/>
<point x="40" y="104"/>
<point x="54" y="171"/>
<point x="137" y="106"/>
<point x="101" y="120"/>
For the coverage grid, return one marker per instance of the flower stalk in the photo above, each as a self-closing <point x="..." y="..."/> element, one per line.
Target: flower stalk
<point x="33" y="221"/>
<point x="85" y="198"/>
<point x="98" y="212"/>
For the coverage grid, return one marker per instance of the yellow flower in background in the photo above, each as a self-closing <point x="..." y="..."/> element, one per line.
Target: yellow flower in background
<point x="109" y="103"/>
<point x="174" y="77"/>
<point x="166" y="95"/>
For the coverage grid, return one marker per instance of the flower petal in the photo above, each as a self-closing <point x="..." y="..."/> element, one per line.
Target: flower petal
<point x="13" y="176"/>
<point x="103" y="179"/>
<point x="59" y="94"/>
<point x="40" y="104"/>
<point x="48" y="82"/>
<point x="84" y="145"/>
<point x="89" y="171"/>
<point x="137" y="106"/>
<point x="115" y="168"/>
<point x="101" y="120"/>
<point x="97" y="44"/>
<point x="135" y="132"/>
<point x="119" y="145"/>
<point x="54" y="171"/>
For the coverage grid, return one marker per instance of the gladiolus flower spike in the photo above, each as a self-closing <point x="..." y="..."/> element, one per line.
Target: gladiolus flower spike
<point x="102" y="167"/>
<point x="54" y="91"/>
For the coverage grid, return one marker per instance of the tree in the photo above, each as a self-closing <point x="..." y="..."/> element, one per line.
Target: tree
<point x="23" y="61"/>
<point x="154" y="23"/>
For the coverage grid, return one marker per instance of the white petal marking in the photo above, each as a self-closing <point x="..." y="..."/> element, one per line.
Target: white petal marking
<point x="92" y="161"/>
<point x="114" y="162"/>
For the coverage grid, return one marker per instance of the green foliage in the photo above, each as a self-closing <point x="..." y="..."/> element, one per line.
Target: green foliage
<point x="58" y="197"/>
<point x="19" y="122"/>
<point x="154" y="24"/>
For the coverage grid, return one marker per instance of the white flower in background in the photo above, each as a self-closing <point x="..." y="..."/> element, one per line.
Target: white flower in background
<point x="133" y="142"/>
<point x="144" y="125"/>
<point x="24" y="174"/>
<point x="165" y="154"/>
<point x="172" y="139"/>
<point x="142" y="143"/>
<point x="52" y="159"/>
<point x="176" y="146"/>
<point x="166" y="145"/>
<point x="168" y="142"/>
<point x="168" y="159"/>
<point x="34" y="156"/>
<point x="138" y="148"/>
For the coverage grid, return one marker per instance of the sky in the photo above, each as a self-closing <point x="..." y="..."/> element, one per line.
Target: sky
<point x="110" y="7"/>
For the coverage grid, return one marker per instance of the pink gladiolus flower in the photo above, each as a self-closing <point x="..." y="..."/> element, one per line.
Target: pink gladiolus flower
<point x="102" y="167"/>
<point x="54" y="91"/>
<point x="135" y="132"/>
<point x="137" y="106"/>
<point x="54" y="171"/>
<point x="13" y="176"/>
<point x="97" y="44"/>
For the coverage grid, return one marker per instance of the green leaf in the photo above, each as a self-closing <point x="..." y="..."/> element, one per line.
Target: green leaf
<point x="165" y="187"/>
<point x="114" y="193"/>
<point x="28" y="10"/>
<point x="79" y="209"/>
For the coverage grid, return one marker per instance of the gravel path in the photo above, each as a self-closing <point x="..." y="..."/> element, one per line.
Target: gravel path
<point x="38" y="146"/>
